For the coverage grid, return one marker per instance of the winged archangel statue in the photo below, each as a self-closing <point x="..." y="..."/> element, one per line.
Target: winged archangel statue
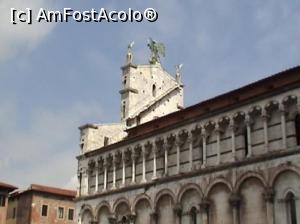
<point x="157" y="50"/>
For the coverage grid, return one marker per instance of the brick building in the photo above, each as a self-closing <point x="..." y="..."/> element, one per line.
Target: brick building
<point x="41" y="205"/>
<point x="5" y="189"/>
<point x="232" y="159"/>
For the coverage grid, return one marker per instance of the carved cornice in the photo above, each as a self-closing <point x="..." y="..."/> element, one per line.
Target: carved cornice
<point x="126" y="90"/>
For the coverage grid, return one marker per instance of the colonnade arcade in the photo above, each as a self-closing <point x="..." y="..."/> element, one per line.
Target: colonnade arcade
<point x="219" y="201"/>
<point x="261" y="129"/>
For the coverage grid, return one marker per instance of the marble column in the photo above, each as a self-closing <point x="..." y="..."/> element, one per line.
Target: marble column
<point x="232" y="130"/>
<point x="132" y="218"/>
<point x="178" y="213"/>
<point x="154" y="217"/>
<point x="86" y="182"/>
<point x="133" y="160"/>
<point x="154" y="150"/>
<point x="218" y="133"/>
<point x="80" y="184"/>
<point x="203" y="134"/>
<point x="269" y="199"/>
<point x="248" y="127"/>
<point x="166" y="160"/>
<point x="265" y="125"/>
<point x="190" y="142"/>
<point x="234" y="201"/>
<point x="123" y="169"/>
<point x="144" y="180"/>
<point x="105" y="174"/>
<point x="114" y="163"/>
<point x="283" y="125"/>
<point x="177" y="156"/>
<point x="96" y="178"/>
<point x="204" y="206"/>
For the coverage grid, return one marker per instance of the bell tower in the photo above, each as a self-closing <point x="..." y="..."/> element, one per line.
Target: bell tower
<point x="148" y="91"/>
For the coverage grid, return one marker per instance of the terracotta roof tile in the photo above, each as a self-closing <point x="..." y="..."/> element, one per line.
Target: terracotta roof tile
<point x="52" y="190"/>
<point x="7" y="186"/>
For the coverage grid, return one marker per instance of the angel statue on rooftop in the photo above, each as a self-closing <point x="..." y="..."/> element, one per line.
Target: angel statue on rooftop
<point x="129" y="57"/>
<point x="178" y="72"/>
<point x="157" y="50"/>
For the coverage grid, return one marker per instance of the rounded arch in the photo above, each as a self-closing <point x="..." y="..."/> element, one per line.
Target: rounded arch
<point x="139" y="198"/>
<point x="101" y="205"/>
<point x="162" y="193"/>
<point x="186" y="187"/>
<point x="217" y="182"/>
<point x="247" y="175"/>
<point x="86" y="213"/>
<point x="119" y="201"/>
<point x="281" y="170"/>
<point x="86" y="208"/>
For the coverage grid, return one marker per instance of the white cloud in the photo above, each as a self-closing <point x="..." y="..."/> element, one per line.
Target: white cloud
<point x="43" y="150"/>
<point x="73" y="183"/>
<point x="21" y="37"/>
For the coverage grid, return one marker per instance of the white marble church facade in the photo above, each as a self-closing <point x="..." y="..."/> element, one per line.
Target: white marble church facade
<point x="233" y="159"/>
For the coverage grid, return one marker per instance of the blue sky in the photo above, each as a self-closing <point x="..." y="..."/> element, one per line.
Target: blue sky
<point x="56" y="77"/>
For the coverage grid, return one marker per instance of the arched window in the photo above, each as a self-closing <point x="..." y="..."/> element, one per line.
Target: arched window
<point x="80" y="182"/>
<point x="125" y="80"/>
<point x="297" y="128"/>
<point x="291" y="208"/>
<point x="193" y="214"/>
<point x="246" y="141"/>
<point x="123" y="109"/>
<point x="154" y="90"/>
